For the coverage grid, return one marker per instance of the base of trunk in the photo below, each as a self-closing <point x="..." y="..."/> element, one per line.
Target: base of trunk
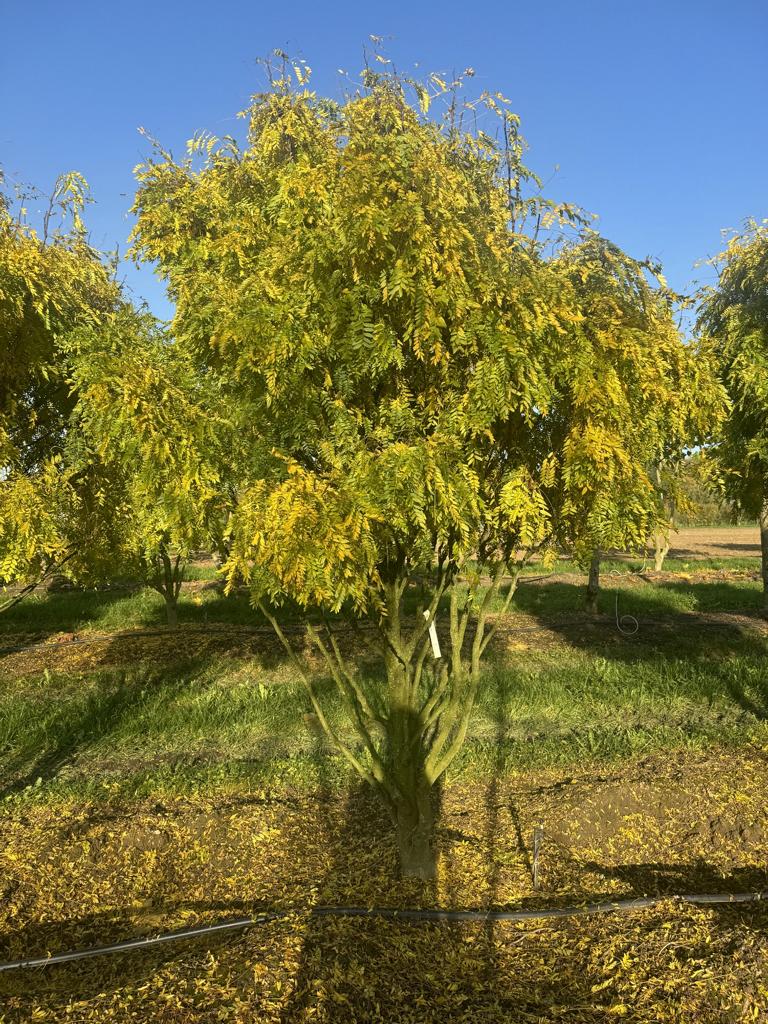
<point x="593" y="586"/>
<point x="417" y="860"/>
<point x="414" y="840"/>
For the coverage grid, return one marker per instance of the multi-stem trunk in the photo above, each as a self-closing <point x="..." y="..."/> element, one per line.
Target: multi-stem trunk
<point x="764" y="549"/>
<point x="409" y="734"/>
<point x="167" y="582"/>
<point x="593" y="586"/>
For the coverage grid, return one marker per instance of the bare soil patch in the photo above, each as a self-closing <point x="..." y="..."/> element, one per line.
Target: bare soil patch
<point x="720" y="542"/>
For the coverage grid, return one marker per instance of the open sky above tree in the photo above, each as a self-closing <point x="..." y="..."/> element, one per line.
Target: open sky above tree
<point x="626" y="106"/>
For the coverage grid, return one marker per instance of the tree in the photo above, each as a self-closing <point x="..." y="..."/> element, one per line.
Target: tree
<point x="734" y="322"/>
<point x="699" y="500"/>
<point x="396" y="354"/>
<point x="651" y="393"/>
<point x="51" y="281"/>
<point x="147" y="427"/>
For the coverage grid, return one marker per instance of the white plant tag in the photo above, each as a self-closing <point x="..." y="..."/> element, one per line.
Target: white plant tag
<point x="433" y="637"/>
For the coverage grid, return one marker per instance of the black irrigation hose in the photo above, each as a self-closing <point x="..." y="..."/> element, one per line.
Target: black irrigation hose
<point x="390" y="913"/>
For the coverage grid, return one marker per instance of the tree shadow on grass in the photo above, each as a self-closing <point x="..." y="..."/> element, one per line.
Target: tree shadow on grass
<point x="642" y="624"/>
<point x="651" y="600"/>
<point x="76" y="725"/>
<point x="54" y="612"/>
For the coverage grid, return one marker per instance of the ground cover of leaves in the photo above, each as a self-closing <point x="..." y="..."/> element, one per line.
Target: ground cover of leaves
<point x="73" y="874"/>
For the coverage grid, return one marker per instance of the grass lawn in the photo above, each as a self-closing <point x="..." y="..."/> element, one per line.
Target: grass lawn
<point x="165" y="779"/>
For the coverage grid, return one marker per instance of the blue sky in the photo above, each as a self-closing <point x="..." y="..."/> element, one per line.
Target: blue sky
<point x="654" y="112"/>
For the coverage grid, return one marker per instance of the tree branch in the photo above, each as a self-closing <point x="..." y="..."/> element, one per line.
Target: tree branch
<point x="342" y="748"/>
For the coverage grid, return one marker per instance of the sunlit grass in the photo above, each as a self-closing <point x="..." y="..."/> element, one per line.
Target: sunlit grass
<point x="226" y="722"/>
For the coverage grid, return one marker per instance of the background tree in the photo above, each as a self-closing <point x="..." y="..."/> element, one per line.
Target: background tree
<point x="392" y="347"/>
<point x="734" y="322"/>
<point x="700" y="501"/>
<point x="51" y="281"/>
<point x="703" y="403"/>
<point x="633" y="376"/>
<point x="147" y="429"/>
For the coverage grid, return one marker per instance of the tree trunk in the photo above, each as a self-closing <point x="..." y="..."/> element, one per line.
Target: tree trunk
<point x="415" y="822"/>
<point x="171" y="610"/>
<point x="169" y="585"/>
<point x="593" y="587"/>
<point x="409" y="744"/>
<point x="660" y="551"/>
<point x="764" y="549"/>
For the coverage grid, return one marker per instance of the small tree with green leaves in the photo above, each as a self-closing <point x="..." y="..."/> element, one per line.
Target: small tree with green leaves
<point x="734" y="323"/>
<point x="147" y="427"/>
<point x="395" y="354"/>
<point x="51" y="282"/>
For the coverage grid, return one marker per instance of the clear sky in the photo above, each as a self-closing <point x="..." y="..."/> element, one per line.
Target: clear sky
<point x="655" y="112"/>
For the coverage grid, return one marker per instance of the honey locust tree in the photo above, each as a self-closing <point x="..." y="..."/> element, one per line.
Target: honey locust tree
<point x="51" y="282"/>
<point x="393" y="347"/>
<point x="632" y="389"/>
<point x="734" y="323"/>
<point x="147" y="428"/>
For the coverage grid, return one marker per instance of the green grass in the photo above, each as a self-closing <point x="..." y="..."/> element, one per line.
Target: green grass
<point x="224" y="722"/>
<point x="90" y="610"/>
<point x="81" y="611"/>
<point x="634" y="564"/>
<point x="219" y="720"/>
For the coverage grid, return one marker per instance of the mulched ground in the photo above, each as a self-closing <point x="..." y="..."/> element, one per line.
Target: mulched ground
<point x="74" y="874"/>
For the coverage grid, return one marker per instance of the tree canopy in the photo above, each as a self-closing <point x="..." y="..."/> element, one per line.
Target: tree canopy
<point x="147" y="429"/>
<point x="734" y="321"/>
<point x="51" y="281"/>
<point x="424" y="393"/>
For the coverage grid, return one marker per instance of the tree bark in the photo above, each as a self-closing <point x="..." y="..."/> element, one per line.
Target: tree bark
<point x="593" y="586"/>
<point x="764" y="549"/>
<point x="415" y="822"/>
<point x="171" y="610"/>
<point x="660" y="551"/>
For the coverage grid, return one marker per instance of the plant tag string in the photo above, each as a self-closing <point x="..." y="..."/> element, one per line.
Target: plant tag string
<point x="433" y="637"/>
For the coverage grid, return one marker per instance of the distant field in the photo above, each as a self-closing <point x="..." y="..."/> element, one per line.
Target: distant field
<point x="716" y="542"/>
